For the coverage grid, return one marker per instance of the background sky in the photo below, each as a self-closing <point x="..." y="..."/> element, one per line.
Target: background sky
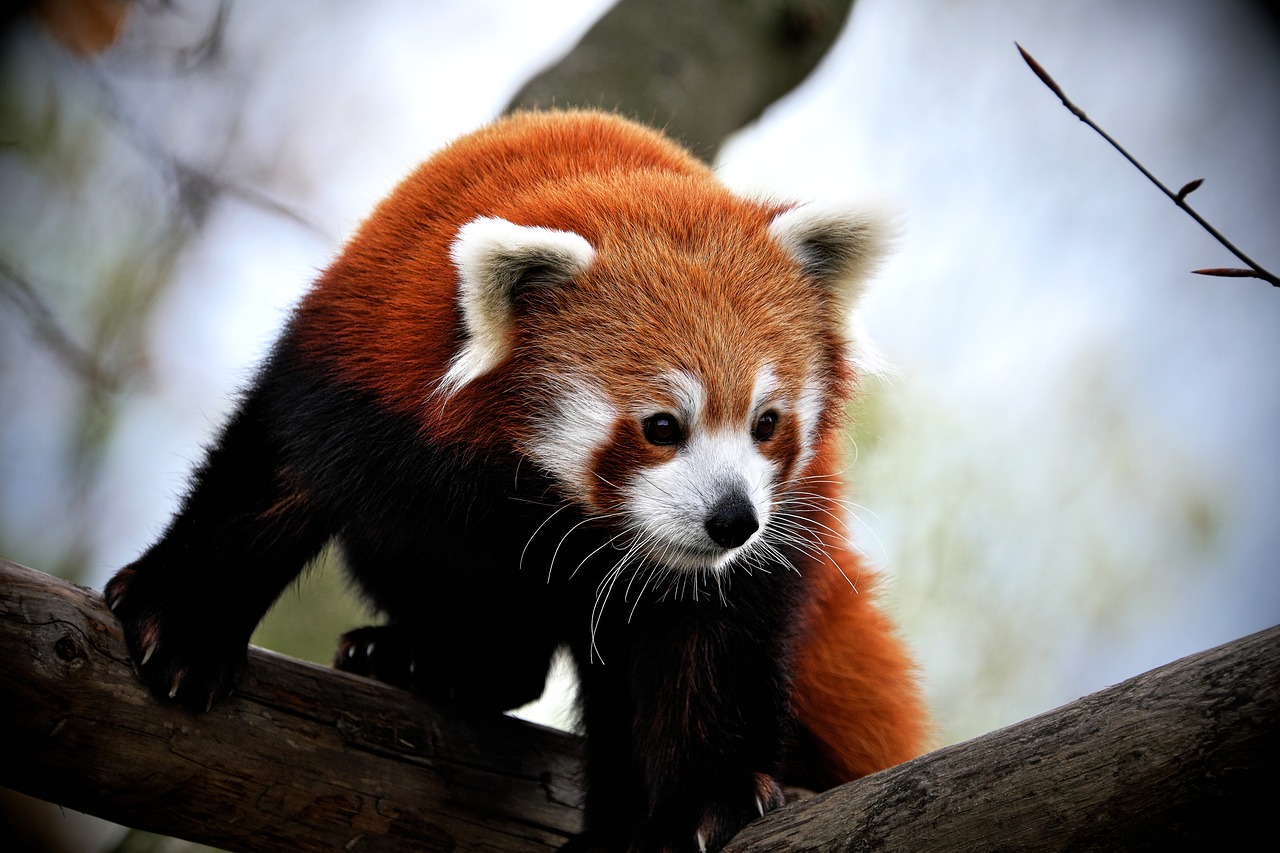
<point x="1072" y="474"/>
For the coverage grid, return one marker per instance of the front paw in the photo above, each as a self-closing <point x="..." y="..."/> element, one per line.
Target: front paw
<point x="701" y="827"/>
<point x="721" y="821"/>
<point x="383" y="652"/>
<point x="180" y="651"/>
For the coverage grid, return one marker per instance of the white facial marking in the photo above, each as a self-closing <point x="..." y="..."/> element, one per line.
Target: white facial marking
<point x="579" y="422"/>
<point x="689" y="394"/>
<point x="491" y="254"/>
<point x="809" y="412"/>
<point x="764" y="391"/>
<point x="669" y="504"/>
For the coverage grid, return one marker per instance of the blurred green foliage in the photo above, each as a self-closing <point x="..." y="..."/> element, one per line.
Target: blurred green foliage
<point x="308" y="618"/>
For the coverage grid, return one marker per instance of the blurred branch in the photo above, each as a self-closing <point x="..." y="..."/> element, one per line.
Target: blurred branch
<point x="699" y="70"/>
<point x="44" y="325"/>
<point x="305" y="758"/>
<point x="209" y="47"/>
<point x="1179" y="198"/>
<point x="196" y="187"/>
<point x="118" y="301"/>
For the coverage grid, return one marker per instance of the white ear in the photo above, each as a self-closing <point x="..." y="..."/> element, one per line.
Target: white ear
<point x="496" y="259"/>
<point x="841" y="248"/>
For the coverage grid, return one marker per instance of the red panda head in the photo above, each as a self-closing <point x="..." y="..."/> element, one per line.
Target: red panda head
<point x="577" y="290"/>
<point x="676" y="354"/>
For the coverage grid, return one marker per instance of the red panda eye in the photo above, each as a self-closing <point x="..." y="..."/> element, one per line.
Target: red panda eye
<point x="765" y="425"/>
<point x="661" y="428"/>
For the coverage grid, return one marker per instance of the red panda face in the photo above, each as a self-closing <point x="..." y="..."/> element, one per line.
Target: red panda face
<point x="706" y="489"/>
<point x="688" y="482"/>
<point x="674" y="378"/>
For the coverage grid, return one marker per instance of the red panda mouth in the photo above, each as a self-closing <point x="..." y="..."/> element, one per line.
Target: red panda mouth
<point x="689" y="514"/>
<point x="689" y="556"/>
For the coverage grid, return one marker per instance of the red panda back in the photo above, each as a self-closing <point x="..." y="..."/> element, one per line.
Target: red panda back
<point x="383" y="316"/>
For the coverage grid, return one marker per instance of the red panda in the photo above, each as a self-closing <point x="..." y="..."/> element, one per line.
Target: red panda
<point x="564" y="389"/>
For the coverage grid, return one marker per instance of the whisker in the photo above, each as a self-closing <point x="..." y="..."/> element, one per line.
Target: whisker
<point x="653" y="572"/>
<point x="556" y="553"/>
<point x="608" y="542"/>
<point x="532" y="536"/>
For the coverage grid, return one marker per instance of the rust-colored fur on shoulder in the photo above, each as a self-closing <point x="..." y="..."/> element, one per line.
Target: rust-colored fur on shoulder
<point x="855" y="692"/>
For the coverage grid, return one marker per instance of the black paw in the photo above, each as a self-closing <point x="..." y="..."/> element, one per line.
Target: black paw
<point x="181" y="651"/>
<point x="384" y="652"/>
<point x="679" y="829"/>
<point x="586" y="842"/>
<point x="720" y="822"/>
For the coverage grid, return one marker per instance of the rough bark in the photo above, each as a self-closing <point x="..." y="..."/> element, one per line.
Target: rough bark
<point x="300" y="758"/>
<point x="700" y="70"/>
<point x="306" y="758"/>
<point x="1182" y="757"/>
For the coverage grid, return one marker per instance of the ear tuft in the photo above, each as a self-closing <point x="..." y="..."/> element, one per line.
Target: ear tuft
<point x="497" y="261"/>
<point x="841" y="248"/>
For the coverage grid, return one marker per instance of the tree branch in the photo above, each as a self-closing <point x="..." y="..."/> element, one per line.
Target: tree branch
<point x="44" y="326"/>
<point x="306" y="758"/>
<point x="1179" y="198"/>
<point x="1181" y="757"/>
<point x="697" y="70"/>
<point x="300" y="758"/>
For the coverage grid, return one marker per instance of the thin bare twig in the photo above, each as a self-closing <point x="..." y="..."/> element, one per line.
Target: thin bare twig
<point x="1179" y="198"/>
<point x="14" y="288"/>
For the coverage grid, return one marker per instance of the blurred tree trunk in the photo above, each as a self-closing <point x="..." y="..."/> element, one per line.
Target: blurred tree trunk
<point x="700" y="69"/>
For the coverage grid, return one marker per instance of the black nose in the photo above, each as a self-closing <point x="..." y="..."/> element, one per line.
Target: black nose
<point x="732" y="522"/>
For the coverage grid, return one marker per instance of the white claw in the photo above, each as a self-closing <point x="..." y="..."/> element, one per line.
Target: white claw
<point x="413" y="667"/>
<point x="368" y="650"/>
<point x="173" y="691"/>
<point x="760" y="805"/>
<point x="115" y="602"/>
<point x="351" y="651"/>
<point x="148" y="652"/>
<point x="702" y="842"/>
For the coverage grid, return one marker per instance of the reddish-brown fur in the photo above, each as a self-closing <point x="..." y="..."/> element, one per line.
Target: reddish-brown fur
<point x="854" y="690"/>
<point x="637" y="374"/>
<point x="855" y="687"/>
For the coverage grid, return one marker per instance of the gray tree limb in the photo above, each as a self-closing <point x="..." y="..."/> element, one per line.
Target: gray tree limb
<point x="699" y="70"/>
